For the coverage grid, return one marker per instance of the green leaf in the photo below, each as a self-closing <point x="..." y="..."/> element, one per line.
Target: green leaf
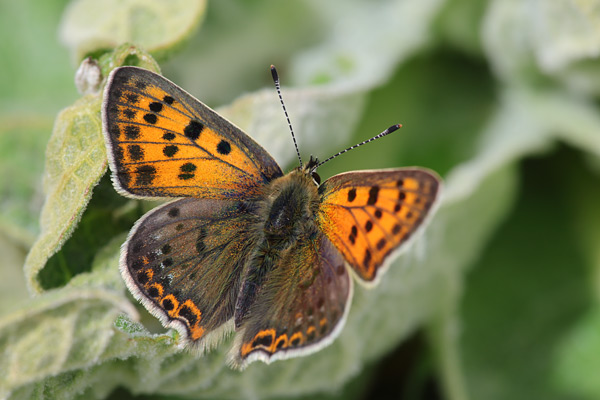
<point x="576" y="363"/>
<point x="89" y="26"/>
<point x="527" y="293"/>
<point x="36" y="81"/>
<point x="75" y="161"/>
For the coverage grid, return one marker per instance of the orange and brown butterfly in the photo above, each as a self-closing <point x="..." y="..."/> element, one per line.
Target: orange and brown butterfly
<point x="246" y="248"/>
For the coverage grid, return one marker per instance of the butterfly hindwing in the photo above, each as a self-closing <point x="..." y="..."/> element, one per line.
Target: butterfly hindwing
<point x="301" y="305"/>
<point x="369" y="214"/>
<point x="162" y="142"/>
<point x="184" y="261"/>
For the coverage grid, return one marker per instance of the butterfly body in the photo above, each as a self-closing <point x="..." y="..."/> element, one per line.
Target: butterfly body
<point x="285" y="218"/>
<point x="246" y="248"/>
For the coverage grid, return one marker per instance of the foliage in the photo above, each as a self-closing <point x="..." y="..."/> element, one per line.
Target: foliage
<point x="498" y="96"/>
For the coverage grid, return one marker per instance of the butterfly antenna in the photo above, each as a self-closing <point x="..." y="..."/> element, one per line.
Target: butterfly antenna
<point x="276" y="80"/>
<point x="389" y="130"/>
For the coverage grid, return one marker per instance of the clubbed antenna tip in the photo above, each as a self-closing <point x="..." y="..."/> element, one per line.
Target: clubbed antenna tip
<point x="389" y="130"/>
<point x="274" y="73"/>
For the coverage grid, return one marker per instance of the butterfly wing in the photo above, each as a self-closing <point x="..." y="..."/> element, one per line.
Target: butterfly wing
<point x="162" y="142"/>
<point x="184" y="260"/>
<point x="300" y="308"/>
<point x="369" y="214"/>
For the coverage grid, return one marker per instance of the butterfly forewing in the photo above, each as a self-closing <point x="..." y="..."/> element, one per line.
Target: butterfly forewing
<point x="165" y="143"/>
<point x="368" y="214"/>
<point x="184" y="261"/>
<point x="301" y="306"/>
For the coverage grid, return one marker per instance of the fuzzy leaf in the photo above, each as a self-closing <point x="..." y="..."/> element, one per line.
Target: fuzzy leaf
<point x="561" y="38"/>
<point x="157" y="26"/>
<point x="76" y="159"/>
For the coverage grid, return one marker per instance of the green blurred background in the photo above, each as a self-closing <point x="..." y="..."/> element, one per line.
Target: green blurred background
<point x="498" y="301"/>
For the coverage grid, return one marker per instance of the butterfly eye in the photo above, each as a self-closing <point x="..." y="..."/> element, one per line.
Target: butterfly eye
<point x="316" y="178"/>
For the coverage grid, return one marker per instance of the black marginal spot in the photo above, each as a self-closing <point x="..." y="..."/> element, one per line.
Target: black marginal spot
<point x="132" y="132"/>
<point x="135" y="152"/>
<point x="129" y="113"/>
<point x="224" y="147"/>
<point x="167" y="262"/>
<point x="295" y="342"/>
<point x="396" y="229"/>
<point x="166" y="249"/>
<point x="417" y="200"/>
<point x="373" y="194"/>
<point x="168" y="99"/>
<point x="368" y="226"/>
<point x="145" y="175"/>
<point x="132" y="98"/>
<point x="397" y="207"/>
<point x="153" y="292"/>
<point x="280" y="344"/>
<point x="156" y="107"/>
<point x="310" y="336"/>
<point x="170" y="150"/>
<point x="263" y="341"/>
<point x="150" y="118"/>
<point x="381" y="244"/>
<point x="351" y="195"/>
<point x="188" y="314"/>
<point x="193" y="130"/>
<point x="173" y="212"/>
<point x="409" y="215"/>
<point x="400" y="183"/>
<point x="401" y="196"/>
<point x="168" y="136"/>
<point x="168" y="304"/>
<point x="143" y="277"/>
<point x="137" y="246"/>
<point x="137" y="264"/>
<point x="367" y="258"/>
<point x="354" y="231"/>
<point x="378" y="214"/>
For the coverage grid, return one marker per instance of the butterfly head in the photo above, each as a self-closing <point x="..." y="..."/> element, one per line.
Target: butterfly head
<point x="310" y="169"/>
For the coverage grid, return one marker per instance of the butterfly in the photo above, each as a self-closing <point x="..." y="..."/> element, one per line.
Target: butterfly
<point x="246" y="248"/>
